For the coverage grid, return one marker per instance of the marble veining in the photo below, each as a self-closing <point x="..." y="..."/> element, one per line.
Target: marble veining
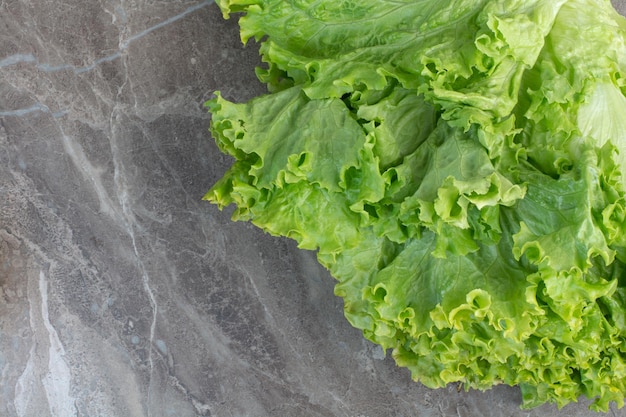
<point x="122" y="293"/>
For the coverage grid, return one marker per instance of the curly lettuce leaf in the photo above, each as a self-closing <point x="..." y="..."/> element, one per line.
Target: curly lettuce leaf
<point x="459" y="167"/>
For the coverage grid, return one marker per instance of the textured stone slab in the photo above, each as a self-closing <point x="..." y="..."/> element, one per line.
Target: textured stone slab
<point x="121" y="292"/>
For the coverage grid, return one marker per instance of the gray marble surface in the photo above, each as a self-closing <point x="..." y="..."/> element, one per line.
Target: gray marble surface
<point x="121" y="292"/>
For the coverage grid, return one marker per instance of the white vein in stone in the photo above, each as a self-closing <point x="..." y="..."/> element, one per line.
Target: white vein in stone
<point x="90" y="173"/>
<point x="57" y="381"/>
<point x="16" y="59"/>
<point x="24" y="389"/>
<point x="37" y="107"/>
<point x="153" y="304"/>
<point x="129" y="221"/>
<point x="26" y="385"/>
<point x="173" y="19"/>
<point x="47" y="68"/>
<point x="97" y="62"/>
<point x="30" y="58"/>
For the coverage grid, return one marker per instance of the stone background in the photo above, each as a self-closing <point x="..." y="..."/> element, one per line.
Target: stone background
<point x="121" y="292"/>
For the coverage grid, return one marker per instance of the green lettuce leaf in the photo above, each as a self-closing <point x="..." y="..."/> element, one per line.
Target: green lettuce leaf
<point x="459" y="167"/>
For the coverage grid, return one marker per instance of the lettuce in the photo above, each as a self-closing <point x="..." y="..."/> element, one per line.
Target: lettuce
<point x="460" y="168"/>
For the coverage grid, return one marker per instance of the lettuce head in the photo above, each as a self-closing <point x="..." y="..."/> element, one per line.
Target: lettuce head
<point x="460" y="168"/>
